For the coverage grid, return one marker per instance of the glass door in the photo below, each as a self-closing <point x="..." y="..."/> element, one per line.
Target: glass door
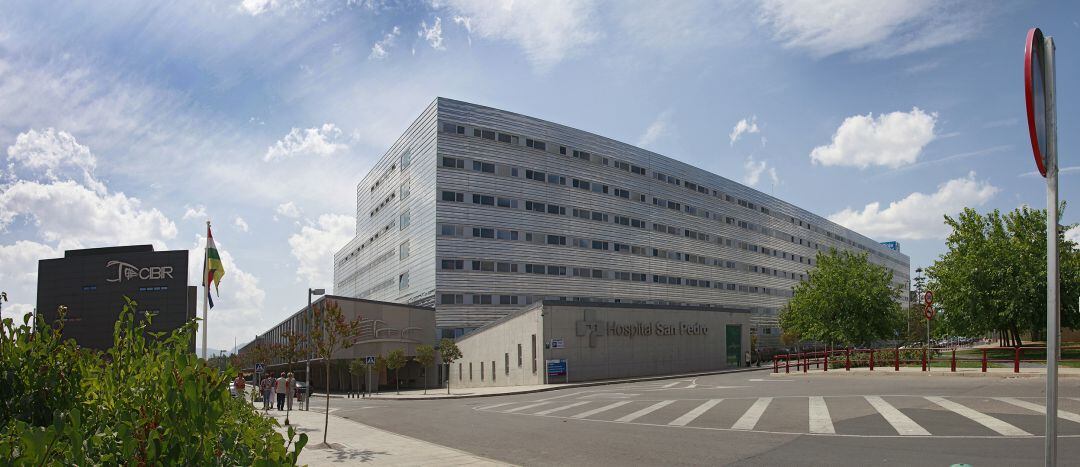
<point x="733" y="338"/>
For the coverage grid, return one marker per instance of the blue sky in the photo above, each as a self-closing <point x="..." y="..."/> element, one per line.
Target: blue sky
<point x="132" y="122"/>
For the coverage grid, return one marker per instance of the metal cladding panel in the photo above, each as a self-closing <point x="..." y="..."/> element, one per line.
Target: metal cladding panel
<point x="371" y="264"/>
<point x="791" y="236"/>
<point x="93" y="287"/>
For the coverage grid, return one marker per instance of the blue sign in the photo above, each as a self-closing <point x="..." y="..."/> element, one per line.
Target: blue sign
<point x="891" y="245"/>
<point x="259" y="368"/>
<point x="556" y="367"/>
<point x="369" y="360"/>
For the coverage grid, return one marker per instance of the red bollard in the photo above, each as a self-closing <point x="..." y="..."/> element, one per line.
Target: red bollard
<point x="954" y="360"/>
<point x="984" y="361"/>
<point x="775" y="364"/>
<point x="806" y="363"/>
<point x="847" y="366"/>
<point x="896" y="360"/>
<point x="1016" y="360"/>
<point x="787" y="363"/>
<point x="826" y="366"/>
<point x="923" y="359"/>
<point x="871" y="359"/>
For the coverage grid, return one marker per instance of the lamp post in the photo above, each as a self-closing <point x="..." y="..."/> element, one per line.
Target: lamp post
<point x="307" y="370"/>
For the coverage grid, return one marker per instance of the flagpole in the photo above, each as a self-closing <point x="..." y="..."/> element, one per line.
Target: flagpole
<point x="206" y="287"/>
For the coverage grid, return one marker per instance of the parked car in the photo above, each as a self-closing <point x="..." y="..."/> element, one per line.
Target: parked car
<point x="301" y="389"/>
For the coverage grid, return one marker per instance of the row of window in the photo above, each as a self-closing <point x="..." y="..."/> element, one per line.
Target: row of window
<point x="389" y="197"/>
<point x="389" y="171"/>
<point x="153" y="289"/>
<point x="696" y="187"/>
<point x="376" y="288"/>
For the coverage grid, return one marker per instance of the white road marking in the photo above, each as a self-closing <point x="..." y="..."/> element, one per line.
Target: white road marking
<point x="765" y="380"/>
<point x="601" y="409"/>
<point x="671" y="384"/>
<point x="1039" y="408"/>
<point x="695" y="413"/>
<point x="999" y="426"/>
<point x="496" y="405"/>
<point x="901" y="423"/>
<point x="518" y="409"/>
<point x="820" y="421"/>
<point x="643" y="412"/>
<point x="749" y="419"/>
<point x="556" y="409"/>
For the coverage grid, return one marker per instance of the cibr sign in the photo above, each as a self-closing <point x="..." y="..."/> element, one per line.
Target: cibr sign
<point x="128" y="271"/>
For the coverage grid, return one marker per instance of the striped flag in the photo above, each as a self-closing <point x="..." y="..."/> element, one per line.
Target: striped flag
<point x="213" y="270"/>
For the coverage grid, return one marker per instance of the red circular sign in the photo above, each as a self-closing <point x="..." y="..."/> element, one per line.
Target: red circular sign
<point x="1035" y="96"/>
<point x="928" y="298"/>
<point x="929" y="312"/>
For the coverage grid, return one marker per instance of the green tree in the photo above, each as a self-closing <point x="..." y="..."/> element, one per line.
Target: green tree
<point x="358" y="369"/>
<point x="992" y="278"/>
<point x="846" y="299"/>
<point x="330" y="332"/>
<point x="425" y="356"/>
<point x="450" y="353"/>
<point x="380" y="367"/>
<point x="395" y="361"/>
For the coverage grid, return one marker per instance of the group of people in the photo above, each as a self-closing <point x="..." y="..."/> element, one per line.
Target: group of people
<point x="284" y="387"/>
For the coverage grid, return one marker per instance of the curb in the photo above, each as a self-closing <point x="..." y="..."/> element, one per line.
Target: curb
<point x="568" y="386"/>
<point x="966" y="374"/>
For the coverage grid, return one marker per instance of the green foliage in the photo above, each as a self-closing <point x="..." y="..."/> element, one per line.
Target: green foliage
<point x="425" y="356"/>
<point x="330" y="332"/>
<point x="395" y="361"/>
<point x="144" y="402"/>
<point x="450" y="353"/>
<point x="993" y="276"/>
<point x="845" y="300"/>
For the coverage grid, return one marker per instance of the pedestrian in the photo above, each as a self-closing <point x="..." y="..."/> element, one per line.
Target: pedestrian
<point x="238" y="383"/>
<point x="290" y="389"/>
<point x="747" y="358"/>
<point x="267" y="387"/>
<point x="280" y="386"/>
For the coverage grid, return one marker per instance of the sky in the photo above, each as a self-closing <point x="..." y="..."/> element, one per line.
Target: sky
<point x="135" y="122"/>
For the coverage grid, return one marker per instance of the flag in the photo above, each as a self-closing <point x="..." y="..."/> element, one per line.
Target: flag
<point x="213" y="270"/>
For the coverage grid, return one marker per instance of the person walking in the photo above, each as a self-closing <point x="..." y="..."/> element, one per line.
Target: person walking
<point x="290" y="390"/>
<point x="267" y="387"/>
<point x="238" y="383"/>
<point x="280" y="387"/>
<point x="747" y="358"/>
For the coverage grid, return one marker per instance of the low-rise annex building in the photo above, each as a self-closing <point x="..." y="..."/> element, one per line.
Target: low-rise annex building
<point x="561" y="341"/>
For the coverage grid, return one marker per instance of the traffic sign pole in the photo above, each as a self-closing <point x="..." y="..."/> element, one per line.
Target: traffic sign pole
<point x="1052" y="296"/>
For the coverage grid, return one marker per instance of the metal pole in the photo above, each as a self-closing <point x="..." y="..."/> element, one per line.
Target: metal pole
<point x="1052" y="297"/>
<point x="206" y="290"/>
<point x="307" y="370"/>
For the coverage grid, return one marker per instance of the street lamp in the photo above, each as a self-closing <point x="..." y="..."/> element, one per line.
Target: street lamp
<point x="311" y="321"/>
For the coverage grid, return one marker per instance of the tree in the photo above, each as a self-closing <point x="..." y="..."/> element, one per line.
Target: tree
<point x="380" y="367"/>
<point x="993" y="276"/>
<point x="425" y="356"/>
<point x="846" y="299"/>
<point x="358" y="368"/>
<point x="292" y="347"/>
<point x="330" y="332"/>
<point x="394" y="361"/>
<point x="449" y="352"/>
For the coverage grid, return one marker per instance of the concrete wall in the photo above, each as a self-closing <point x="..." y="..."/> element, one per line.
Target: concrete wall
<point x="493" y="344"/>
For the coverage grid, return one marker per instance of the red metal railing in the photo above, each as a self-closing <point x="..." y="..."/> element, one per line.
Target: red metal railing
<point x="875" y="358"/>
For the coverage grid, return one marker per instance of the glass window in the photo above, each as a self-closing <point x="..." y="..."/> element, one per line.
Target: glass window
<point x="506" y="234"/>
<point x="448" y="230"/>
<point x="483" y="199"/>
<point x="403" y="280"/>
<point x="453" y="163"/>
<point x="453" y="196"/>
<point x="483" y="166"/>
<point x="403" y="250"/>
<point x="483" y="232"/>
<point x="403" y="220"/>
<point x="504" y="138"/>
<point x="488" y="134"/>
<point x="406" y="159"/>
<point x="534" y="353"/>
<point x="507" y="203"/>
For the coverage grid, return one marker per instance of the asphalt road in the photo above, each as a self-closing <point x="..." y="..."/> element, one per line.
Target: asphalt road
<point x="748" y="419"/>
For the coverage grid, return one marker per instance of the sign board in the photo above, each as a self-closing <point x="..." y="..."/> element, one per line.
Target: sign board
<point x="558" y="344"/>
<point x="929" y="298"/>
<point x="369" y="360"/>
<point x="259" y="368"/>
<point x="891" y="245"/>
<point x="556" y="367"/>
<point x="1035" y="97"/>
<point x="929" y="312"/>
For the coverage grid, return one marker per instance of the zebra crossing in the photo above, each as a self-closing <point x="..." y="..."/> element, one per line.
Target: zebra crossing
<point x="864" y="416"/>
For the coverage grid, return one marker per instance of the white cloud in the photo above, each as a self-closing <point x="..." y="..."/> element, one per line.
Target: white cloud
<point x="321" y="141"/>
<point x="891" y="140"/>
<point x="241" y="224"/>
<point x="18" y="275"/>
<point x="258" y="7"/>
<point x="380" y="49"/>
<point x="917" y="216"/>
<point x="315" y="244"/>
<point x="876" y="29"/>
<point x="548" y="31"/>
<point x="288" y="209"/>
<point x="754" y="169"/>
<point x="50" y="153"/>
<point x="659" y="128"/>
<point x="744" y="126"/>
<point x="466" y="23"/>
<point x="1071" y="234"/>
<point x="432" y="35"/>
<point x="194" y="212"/>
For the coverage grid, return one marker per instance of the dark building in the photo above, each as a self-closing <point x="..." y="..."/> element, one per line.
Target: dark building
<point x="92" y="284"/>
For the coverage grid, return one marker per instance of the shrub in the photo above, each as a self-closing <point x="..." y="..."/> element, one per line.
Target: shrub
<point x="143" y="402"/>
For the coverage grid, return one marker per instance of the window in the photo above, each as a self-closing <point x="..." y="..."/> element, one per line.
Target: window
<point x="403" y="280"/>
<point x="453" y="163"/>
<point x="534" y="206"/>
<point x="562" y="150"/>
<point x="493" y="371"/>
<point x="506" y="363"/>
<point x="556" y="240"/>
<point x="582" y="155"/>
<point x="556" y="209"/>
<point x="513" y="172"/>
<point x="406" y="189"/>
<point x="403" y="220"/>
<point x="556" y="180"/>
<point x="506" y="267"/>
<point x="504" y="138"/>
<point x="536" y="144"/>
<point x="448" y="127"/>
<point x="507" y="203"/>
<point x="451" y="299"/>
<point x="481" y="299"/>
<point x="534" y="269"/>
<point x="506" y="234"/>
<point x="449" y="230"/>
<point x="406" y="159"/>
<point x="519" y="355"/>
<point x="483" y="232"/>
<point x="403" y="250"/>
<point x="508" y="300"/>
<point x="459" y="372"/>
<point x="535" y="175"/>
<point x="599" y="216"/>
<point x="486" y="266"/>
<point x="453" y="196"/>
<point x="483" y="167"/>
<point x="622" y="193"/>
<point x="598" y="188"/>
<point x="534" y="353"/>
<point x="470" y="363"/>
<point x="556" y="270"/>
<point x="487" y="134"/>
<point x="483" y="199"/>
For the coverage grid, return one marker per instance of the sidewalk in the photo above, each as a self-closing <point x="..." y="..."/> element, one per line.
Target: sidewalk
<point x="1063" y="372"/>
<point x="354" y="443"/>
<point x="462" y="393"/>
